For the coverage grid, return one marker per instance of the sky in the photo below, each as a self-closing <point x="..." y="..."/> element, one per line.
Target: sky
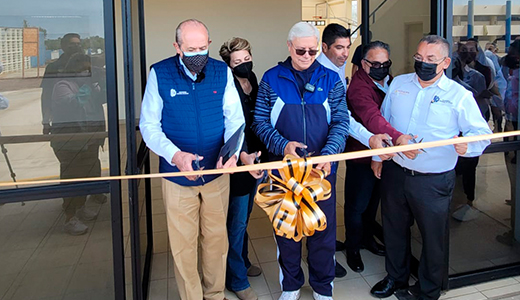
<point x="58" y="17"/>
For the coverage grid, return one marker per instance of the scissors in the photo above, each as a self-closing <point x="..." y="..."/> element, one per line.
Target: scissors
<point x="305" y="152"/>
<point x="197" y="164"/>
<point x="388" y="143"/>
<point x="417" y="142"/>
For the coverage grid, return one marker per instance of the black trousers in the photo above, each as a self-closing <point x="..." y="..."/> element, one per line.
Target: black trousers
<point x="467" y="167"/>
<point x="425" y="198"/>
<point x="361" y="203"/>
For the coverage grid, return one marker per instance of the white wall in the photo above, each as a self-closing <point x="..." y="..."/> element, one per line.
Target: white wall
<point x="391" y="27"/>
<point x="264" y="24"/>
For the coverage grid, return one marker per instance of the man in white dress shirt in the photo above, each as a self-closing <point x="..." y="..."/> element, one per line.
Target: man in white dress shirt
<point x="190" y="107"/>
<point x="419" y="186"/>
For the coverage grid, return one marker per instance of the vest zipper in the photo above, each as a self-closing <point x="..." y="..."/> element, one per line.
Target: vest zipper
<point x="199" y="134"/>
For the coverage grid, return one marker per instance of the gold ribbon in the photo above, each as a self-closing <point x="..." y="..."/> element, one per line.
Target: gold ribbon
<point x="277" y="164"/>
<point x="290" y="201"/>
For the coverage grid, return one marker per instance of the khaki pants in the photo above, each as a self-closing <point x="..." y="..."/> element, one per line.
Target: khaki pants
<point x="191" y="210"/>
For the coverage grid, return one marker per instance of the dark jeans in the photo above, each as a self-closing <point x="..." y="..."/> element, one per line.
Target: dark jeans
<point x="321" y="248"/>
<point x="361" y="203"/>
<point x="239" y="210"/>
<point x="425" y="199"/>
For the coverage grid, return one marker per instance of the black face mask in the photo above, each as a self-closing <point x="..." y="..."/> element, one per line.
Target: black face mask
<point x="378" y="73"/>
<point x="243" y="70"/>
<point x="71" y="49"/>
<point x="468" y="57"/>
<point x="425" y="71"/>
<point x="511" y="62"/>
<point x="196" y="62"/>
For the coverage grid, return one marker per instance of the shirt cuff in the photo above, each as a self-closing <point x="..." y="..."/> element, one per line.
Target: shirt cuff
<point x="376" y="158"/>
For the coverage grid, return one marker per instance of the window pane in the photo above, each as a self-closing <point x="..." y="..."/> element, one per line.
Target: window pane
<point x="44" y="256"/>
<point x="53" y="90"/>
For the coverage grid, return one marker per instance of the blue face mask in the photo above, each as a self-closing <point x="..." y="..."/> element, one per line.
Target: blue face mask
<point x="195" y="61"/>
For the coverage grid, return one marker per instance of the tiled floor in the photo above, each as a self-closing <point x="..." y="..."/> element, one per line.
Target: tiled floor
<point x="357" y="285"/>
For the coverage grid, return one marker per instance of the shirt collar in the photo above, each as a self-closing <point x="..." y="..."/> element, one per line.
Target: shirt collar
<point x="325" y="61"/>
<point x="187" y="71"/>
<point x="383" y="87"/>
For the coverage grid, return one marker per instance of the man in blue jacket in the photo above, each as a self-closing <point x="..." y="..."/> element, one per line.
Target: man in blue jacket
<point x="301" y="104"/>
<point x="190" y="108"/>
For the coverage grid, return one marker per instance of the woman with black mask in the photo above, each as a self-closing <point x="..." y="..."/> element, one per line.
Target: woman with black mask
<point x="237" y="54"/>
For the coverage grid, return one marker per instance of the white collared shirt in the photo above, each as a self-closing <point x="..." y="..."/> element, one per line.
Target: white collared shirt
<point x="356" y="130"/>
<point x="151" y="115"/>
<point x="434" y="113"/>
<point x="385" y="86"/>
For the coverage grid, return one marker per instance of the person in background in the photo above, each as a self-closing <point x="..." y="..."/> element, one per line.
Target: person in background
<point x="236" y="53"/>
<point x="77" y="111"/>
<point x="511" y="63"/>
<point x="70" y="44"/>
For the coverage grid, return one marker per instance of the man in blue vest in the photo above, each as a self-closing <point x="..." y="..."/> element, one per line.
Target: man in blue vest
<point x="190" y="108"/>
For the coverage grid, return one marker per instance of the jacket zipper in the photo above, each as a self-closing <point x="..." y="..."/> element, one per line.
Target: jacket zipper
<point x="303" y="105"/>
<point x="197" y="105"/>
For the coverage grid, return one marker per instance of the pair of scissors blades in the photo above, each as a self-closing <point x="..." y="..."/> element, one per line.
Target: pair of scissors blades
<point x="388" y="143"/>
<point x="197" y="164"/>
<point x="417" y="142"/>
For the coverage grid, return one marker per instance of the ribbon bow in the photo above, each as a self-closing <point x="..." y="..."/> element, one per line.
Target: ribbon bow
<point x="290" y="201"/>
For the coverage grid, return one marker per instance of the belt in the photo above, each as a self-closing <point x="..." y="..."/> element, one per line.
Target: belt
<point x="417" y="173"/>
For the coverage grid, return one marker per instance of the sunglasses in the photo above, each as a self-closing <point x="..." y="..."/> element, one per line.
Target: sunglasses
<point x="377" y="65"/>
<point x="301" y="52"/>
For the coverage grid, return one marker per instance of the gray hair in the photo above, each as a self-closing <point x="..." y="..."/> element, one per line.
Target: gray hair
<point x="439" y="40"/>
<point x="375" y="45"/>
<point x="178" y="31"/>
<point x="303" y="29"/>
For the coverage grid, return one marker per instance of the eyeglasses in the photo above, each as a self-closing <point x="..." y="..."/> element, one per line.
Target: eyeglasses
<point x="377" y="65"/>
<point x="418" y="57"/>
<point x="301" y="52"/>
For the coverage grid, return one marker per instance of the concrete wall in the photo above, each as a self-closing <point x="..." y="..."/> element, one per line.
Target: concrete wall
<point x="264" y="23"/>
<point x="397" y="25"/>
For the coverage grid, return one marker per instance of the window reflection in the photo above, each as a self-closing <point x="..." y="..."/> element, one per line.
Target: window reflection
<point x="53" y="91"/>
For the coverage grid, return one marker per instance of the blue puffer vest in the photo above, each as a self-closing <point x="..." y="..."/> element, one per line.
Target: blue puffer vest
<point x="192" y="115"/>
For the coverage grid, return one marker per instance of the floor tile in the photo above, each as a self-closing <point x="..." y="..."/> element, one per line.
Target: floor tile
<point x="474" y="296"/>
<point x="91" y="276"/>
<point x="459" y="292"/>
<point x="259" y="228"/>
<point x="495" y="284"/>
<point x="159" y="266"/>
<point x="173" y="291"/>
<point x="502" y="291"/>
<point x="158" y="290"/>
<point x="356" y="288"/>
<point x="49" y="258"/>
<point x="259" y="285"/>
<point x="5" y="283"/>
<point x="13" y="262"/>
<point x="42" y="284"/>
<point x="265" y="249"/>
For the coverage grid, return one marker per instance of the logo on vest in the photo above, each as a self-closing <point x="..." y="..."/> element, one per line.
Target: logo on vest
<point x="174" y="93"/>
